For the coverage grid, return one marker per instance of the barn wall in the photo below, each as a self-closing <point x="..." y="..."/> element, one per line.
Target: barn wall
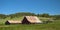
<point x="7" y="23"/>
<point x="25" y="21"/>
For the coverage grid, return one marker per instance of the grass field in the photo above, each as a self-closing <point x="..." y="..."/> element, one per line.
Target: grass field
<point x="50" y="26"/>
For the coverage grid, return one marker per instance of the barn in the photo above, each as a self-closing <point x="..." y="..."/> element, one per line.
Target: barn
<point x="31" y="20"/>
<point x="8" y="22"/>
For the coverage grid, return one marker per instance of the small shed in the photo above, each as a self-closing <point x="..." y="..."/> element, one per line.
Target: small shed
<point x="8" y="22"/>
<point x="31" y="20"/>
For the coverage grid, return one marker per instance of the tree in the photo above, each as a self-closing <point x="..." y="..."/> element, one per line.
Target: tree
<point x="44" y="15"/>
<point x="2" y="16"/>
<point x="21" y="14"/>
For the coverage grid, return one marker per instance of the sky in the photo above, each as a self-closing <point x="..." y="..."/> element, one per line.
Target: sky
<point x="34" y="6"/>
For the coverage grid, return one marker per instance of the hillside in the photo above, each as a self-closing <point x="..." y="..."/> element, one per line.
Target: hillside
<point x="55" y="25"/>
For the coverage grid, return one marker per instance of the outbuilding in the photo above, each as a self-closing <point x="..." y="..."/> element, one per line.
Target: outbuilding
<point x="31" y="20"/>
<point x="8" y="22"/>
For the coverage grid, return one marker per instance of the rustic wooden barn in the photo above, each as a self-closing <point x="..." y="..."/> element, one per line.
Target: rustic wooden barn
<point x="31" y="20"/>
<point x="8" y="22"/>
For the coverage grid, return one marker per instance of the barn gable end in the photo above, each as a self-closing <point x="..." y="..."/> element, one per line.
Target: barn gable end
<point x="25" y="21"/>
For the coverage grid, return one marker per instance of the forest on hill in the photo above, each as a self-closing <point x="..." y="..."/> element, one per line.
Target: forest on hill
<point x="3" y="16"/>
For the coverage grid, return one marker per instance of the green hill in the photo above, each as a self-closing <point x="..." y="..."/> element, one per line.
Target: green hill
<point x="55" y="25"/>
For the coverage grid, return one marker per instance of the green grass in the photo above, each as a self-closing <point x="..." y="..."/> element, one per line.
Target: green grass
<point x="50" y="26"/>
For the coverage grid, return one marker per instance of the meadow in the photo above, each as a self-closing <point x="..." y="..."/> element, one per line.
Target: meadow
<point x="55" y="25"/>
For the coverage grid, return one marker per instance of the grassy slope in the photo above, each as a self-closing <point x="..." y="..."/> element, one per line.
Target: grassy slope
<point x="51" y="26"/>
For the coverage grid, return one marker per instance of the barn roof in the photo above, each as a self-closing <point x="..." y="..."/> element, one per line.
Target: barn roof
<point x="14" y="21"/>
<point x="33" y="19"/>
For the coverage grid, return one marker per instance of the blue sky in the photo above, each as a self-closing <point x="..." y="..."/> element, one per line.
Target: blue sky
<point x="34" y="6"/>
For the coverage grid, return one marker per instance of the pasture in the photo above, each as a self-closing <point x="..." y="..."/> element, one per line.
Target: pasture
<point x="50" y="26"/>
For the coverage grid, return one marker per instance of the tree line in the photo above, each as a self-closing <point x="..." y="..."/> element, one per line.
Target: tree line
<point x="3" y="16"/>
